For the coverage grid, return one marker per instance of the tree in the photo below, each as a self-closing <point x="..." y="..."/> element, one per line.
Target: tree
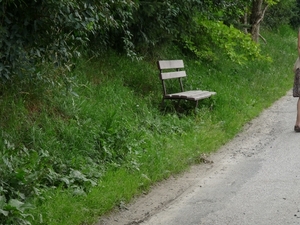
<point x="243" y="14"/>
<point x="258" y="10"/>
<point x="282" y="13"/>
<point x="37" y="31"/>
<point x="295" y="20"/>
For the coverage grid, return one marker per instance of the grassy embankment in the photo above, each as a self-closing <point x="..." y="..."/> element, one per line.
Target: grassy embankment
<point x="106" y="127"/>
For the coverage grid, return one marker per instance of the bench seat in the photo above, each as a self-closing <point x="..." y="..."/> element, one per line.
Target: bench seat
<point x="191" y="95"/>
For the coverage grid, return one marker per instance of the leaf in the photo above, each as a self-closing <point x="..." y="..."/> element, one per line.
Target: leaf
<point x="14" y="203"/>
<point x="78" y="191"/>
<point x="3" y="212"/>
<point x="77" y="174"/>
<point x="27" y="215"/>
<point x="2" y="202"/>
<point x="65" y="180"/>
<point x="2" y="205"/>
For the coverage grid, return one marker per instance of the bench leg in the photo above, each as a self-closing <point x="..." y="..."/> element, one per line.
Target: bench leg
<point x="196" y="104"/>
<point x="177" y="104"/>
<point x="163" y="103"/>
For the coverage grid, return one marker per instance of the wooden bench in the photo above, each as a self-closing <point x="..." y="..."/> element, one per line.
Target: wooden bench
<point x="172" y="69"/>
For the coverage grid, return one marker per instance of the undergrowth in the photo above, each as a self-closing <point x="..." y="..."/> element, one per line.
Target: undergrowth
<point x="73" y="149"/>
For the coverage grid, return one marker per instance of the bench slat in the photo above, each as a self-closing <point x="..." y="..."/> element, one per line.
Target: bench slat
<point x="170" y="75"/>
<point x="201" y="96"/>
<point x="191" y="95"/>
<point x="170" y="64"/>
<point x="186" y="93"/>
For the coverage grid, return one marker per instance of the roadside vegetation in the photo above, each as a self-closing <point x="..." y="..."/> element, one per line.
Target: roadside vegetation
<point x="82" y="135"/>
<point x="98" y="136"/>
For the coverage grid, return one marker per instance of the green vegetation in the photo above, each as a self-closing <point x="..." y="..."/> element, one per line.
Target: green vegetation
<point x="75" y="145"/>
<point x="82" y="128"/>
<point x="33" y="32"/>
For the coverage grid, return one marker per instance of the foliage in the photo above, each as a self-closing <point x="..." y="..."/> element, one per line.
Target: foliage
<point x="158" y="22"/>
<point x="280" y="14"/>
<point x="210" y="38"/>
<point x="295" y="20"/>
<point x="228" y="11"/>
<point x="62" y="132"/>
<point x="33" y="32"/>
<point x="27" y="173"/>
<point x="68" y="156"/>
<point x="114" y="20"/>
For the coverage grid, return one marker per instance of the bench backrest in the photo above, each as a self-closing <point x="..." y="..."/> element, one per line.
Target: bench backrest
<point x="173" y="69"/>
<point x="169" y="69"/>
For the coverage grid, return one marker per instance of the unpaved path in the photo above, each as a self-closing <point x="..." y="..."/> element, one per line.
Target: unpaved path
<point x="254" y="179"/>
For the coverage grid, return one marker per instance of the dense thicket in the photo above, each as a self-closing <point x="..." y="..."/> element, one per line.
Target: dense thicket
<point x="295" y="20"/>
<point x="34" y="31"/>
<point x="285" y="12"/>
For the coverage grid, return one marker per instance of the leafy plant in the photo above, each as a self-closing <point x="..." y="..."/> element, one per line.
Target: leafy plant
<point x="283" y="13"/>
<point x="13" y="211"/>
<point x="28" y="173"/>
<point x="33" y="32"/>
<point x="211" y="37"/>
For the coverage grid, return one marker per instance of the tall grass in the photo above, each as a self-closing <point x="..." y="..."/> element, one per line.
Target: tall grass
<point x="74" y="149"/>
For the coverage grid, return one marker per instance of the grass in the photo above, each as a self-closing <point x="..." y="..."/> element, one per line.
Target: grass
<point x="98" y="137"/>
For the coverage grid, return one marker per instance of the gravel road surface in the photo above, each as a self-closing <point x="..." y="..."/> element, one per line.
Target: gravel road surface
<point x="252" y="180"/>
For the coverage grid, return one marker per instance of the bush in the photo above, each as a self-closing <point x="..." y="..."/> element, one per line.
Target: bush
<point x="211" y="37"/>
<point x="280" y="14"/>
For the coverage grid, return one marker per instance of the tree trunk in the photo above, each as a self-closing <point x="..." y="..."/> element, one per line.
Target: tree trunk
<point x="245" y="23"/>
<point x="257" y="15"/>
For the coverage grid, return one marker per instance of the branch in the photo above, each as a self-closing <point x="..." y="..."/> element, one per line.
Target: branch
<point x="262" y="15"/>
<point x="263" y="38"/>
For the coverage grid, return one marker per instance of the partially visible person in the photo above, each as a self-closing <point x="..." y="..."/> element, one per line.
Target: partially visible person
<point x="296" y="88"/>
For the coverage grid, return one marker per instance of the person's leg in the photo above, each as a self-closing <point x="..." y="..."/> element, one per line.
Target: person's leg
<point x="298" y="113"/>
<point x="297" y="125"/>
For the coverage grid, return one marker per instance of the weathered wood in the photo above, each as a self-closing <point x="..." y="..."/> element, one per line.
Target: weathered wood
<point x="170" y="64"/>
<point x="171" y="75"/>
<point x="192" y="95"/>
<point x="177" y="66"/>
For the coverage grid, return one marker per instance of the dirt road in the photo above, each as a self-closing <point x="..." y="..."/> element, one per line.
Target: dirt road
<point x="254" y="179"/>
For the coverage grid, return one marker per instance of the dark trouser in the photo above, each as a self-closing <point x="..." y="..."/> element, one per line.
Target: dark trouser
<point x="296" y="88"/>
